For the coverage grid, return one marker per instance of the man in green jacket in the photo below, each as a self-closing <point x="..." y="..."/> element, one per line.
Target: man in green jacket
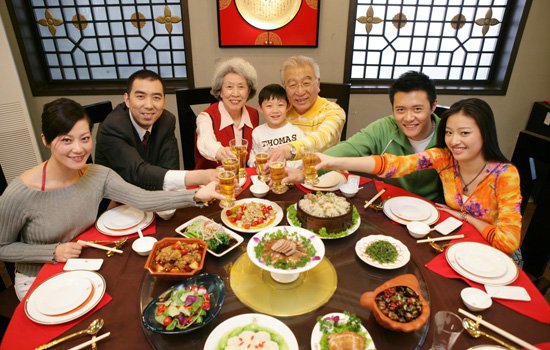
<point x="410" y="129"/>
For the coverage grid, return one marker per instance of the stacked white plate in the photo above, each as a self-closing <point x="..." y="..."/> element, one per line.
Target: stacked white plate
<point x="405" y="209"/>
<point x="123" y="220"/>
<point x="65" y="297"/>
<point x="482" y="263"/>
<point x="330" y="181"/>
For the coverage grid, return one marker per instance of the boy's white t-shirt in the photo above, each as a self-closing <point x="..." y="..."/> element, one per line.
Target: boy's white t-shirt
<point x="264" y="138"/>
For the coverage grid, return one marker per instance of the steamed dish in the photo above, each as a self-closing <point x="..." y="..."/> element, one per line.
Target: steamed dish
<point x="324" y="213"/>
<point x="284" y="250"/>
<point x="252" y="336"/>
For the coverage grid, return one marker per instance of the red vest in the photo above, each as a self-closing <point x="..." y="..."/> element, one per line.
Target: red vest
<point x="224" y="135"/>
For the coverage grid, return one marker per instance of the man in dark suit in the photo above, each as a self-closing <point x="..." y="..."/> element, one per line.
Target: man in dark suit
<point x="137" y="139"/>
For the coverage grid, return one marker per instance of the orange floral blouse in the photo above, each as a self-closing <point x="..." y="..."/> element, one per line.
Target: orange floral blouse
<point x="496" y="199"/>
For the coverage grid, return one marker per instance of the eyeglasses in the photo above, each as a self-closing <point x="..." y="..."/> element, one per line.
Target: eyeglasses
<point x="305" y="84"/>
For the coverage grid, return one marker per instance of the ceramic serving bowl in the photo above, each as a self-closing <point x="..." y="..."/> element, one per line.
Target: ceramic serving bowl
<point x="368" y="300"/>
<point x="161" y="266"/>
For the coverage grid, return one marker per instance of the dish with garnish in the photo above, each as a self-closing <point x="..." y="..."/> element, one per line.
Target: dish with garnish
<point x="186" y="306"/>
<point x="220" y="240"/>
<point x="251" y="215"/>
<point x="251" y="331"/>
<point x="381" y="251"/>
<point x="340" y="331"/>
<point x="328" y="215"/>
<point x="176" y="257"/>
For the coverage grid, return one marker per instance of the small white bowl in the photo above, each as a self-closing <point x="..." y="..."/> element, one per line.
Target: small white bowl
<point x="348" y="190"/>
<point x="259" y="190"/>
<point x="143" y="246"/>
<point x="476" y="299"/>
<point x="418" y="229"/>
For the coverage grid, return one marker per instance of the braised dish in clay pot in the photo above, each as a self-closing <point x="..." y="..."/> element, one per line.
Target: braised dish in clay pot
<point x="398" y="305"/>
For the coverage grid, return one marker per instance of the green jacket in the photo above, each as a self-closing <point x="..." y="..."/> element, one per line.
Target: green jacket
<point x="384" y="136"/>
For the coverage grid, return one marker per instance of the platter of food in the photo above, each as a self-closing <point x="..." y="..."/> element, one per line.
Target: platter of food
<point x="62" y="306"/>
<point x="251" y="215"/>
<point x="405" y="209"/>
<point x="382" y="251"/>
<point x="340" y="330"/>
<point x="250" y="331"/>
<point x="186" y="306"/>
<point x="123" y="220"/>
<point x="328" y="182"/>
<point x="176" y="257"/>
<point x="327" y="215"/>
<point x="220" y="240"/>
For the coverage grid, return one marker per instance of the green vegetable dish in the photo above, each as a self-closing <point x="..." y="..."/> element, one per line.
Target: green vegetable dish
<point x="292" y="216"/>
<point x="382" y="251"/>
<point x="284" y="250"/>
<point x="252" y="336"/>
<point x="184" y="307"/>
<point x="339" y="330"/>
<point x="212" y="233"/>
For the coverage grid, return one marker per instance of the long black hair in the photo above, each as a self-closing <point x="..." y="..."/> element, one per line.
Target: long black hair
<point x="482" y="114"/>
<point x="59" y="117"/>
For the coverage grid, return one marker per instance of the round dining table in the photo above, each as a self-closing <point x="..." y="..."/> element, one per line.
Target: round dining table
<point x="132" y="288"/>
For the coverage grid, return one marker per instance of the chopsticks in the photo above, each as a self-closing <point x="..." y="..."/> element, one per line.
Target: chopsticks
<point x="374" y="198"/>
<point x="439" y="238"/>
<point x="99" y="246"/>
<point x="498" y="330"/>
<point x="89" y="342"/>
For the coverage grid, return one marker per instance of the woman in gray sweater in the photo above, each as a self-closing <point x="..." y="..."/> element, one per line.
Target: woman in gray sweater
<point x="51" y="203"/>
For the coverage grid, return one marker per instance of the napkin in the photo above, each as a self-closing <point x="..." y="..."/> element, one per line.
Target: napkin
<point x="538" y="308"/>
<point x="22" y="333"/>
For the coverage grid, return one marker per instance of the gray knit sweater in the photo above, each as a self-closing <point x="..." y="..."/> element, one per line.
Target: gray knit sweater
<point x="32" y="222"/>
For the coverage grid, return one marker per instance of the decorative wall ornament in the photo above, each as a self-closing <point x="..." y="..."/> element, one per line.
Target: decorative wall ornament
<point x="168" y="19"/>
<point x="50" y="22"/>
<point x="399" y="20"/>
<point x="268" y="23"/>
<point x="369" y="19"/>
<point x="487" y="22"/>
<point x="138" y="20"/>
<point x="458" y="21"/>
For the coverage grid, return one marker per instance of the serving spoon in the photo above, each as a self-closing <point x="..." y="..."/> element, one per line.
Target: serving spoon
<point x="92" y="329"/>
<point x="473" y="329"/>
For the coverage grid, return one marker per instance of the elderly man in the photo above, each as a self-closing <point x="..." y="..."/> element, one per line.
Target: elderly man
<point x="320" y="120"/>
<point x="411" y="129"/>
<point x="137" y="139"/>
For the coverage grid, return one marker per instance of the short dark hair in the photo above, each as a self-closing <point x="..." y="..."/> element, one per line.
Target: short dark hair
<point x="483" y="115"/>
<point x="412" y="81"/>
<point x="59" y="117"/>
<point x="272" y="91"/>
<point x="144" y="74"/>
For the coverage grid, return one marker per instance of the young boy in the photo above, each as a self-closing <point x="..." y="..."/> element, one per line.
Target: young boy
<point x="277" y="130"/>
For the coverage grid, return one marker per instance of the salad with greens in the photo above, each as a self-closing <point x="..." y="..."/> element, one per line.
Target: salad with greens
<point x="212" y="233"/>
<point x="183" y="308"/>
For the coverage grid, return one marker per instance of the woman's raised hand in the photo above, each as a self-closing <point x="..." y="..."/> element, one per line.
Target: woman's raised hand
<point x="325" y="162"/>
<point x="66" y="251"/>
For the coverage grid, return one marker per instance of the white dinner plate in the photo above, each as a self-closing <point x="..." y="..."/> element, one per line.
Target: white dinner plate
<point x="480" y="261"/>
<point x="278" y="215"/>
<point x="100" y="225"/>
<point x="410" y="211"/>
<point x="459" y="250"/>
<point x="350" y="230"/>
<point x="330" y="181"/>
<point x="403" y="257"/>
<point x="316" y="334"/>
<point x="99" y="287"/>
<point x="57" y="296"/>
<point x="265" y="321"/>
<point x="122" y="217"/>
<point x="181" y="230"/>
<point x="406" y="201"/>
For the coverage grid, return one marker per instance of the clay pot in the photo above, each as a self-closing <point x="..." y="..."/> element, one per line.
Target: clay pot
<point x="368" y="300"/>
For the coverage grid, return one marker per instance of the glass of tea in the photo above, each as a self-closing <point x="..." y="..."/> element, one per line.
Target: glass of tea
<point x="240" y="149"/>
<point x="277" y="170"/>
<point x="309" y="160"/>
<point x="232" y="164"/>
<point x="227" y="188"/>
<point x="261" y="166"/>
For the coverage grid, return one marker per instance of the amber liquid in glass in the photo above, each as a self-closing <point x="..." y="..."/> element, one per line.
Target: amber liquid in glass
<point x="261" y="161"/>
<point x="277" y="170"/>
<point x="227" y="188"/>
<point x="309" y="161"/>
<point x="240" y="152"/>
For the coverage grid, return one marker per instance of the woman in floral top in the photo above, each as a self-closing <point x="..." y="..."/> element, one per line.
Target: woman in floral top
<point x="479" y="183"/>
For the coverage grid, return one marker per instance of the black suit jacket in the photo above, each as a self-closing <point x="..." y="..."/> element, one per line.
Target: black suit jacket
<point x="119" y="148"/>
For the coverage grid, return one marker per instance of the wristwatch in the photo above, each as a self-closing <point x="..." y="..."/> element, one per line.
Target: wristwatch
<point x="292" y="152"/>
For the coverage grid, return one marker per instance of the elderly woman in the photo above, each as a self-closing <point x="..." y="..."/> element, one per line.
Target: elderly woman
<point x="234" y="83"/>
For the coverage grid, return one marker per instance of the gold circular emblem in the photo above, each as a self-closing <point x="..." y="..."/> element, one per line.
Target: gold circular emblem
<point x="268" y="15"/>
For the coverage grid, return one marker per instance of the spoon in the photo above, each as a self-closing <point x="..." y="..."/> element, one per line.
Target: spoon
<point x="438" y="247"/>
<point x="473" y="329"/>
<point x="92" y="329"/>
<point x="140" y="233"/>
